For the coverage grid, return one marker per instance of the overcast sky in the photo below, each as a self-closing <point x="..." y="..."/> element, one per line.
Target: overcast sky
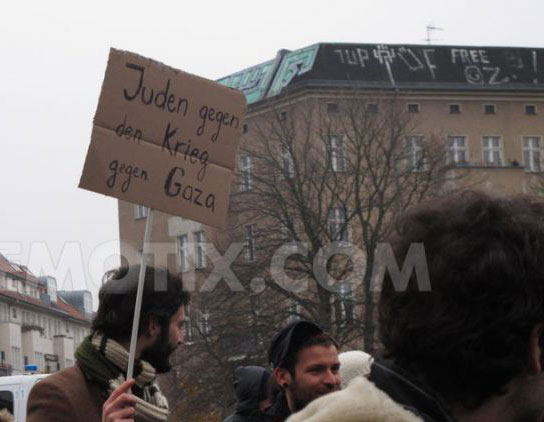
<point x="54" y="54"/>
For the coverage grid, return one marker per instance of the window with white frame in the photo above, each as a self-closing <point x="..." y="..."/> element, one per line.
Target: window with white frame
<point x="332" y="108"/>
<point x="372" y="107"/>
<point x="489" y="109"/>
<point x="205" y="320"/>
<point x="344" y="305"/>
<point x="295" y="310"/>
<point x="415" y="153"/>
<point x="530" y="109"/>
<point x="250" y="242"/>
<point x="246" y="179"/>
<point x="140" y="211"/>
<point x="531" y="153"/>
<point x="287" y="164"/>
<point x="337" y="222"/>
<point x="455" y="108"/>
<point x="413" y="108"/>
<point x="200" y="249"/>
<point x="457" y="149"/>
<point x="187" y="326"/>
<point x="183" y="244"/>
<point x="16" y="358"/>
<point x="492" y="150"/>
<point x="336" y="157"/>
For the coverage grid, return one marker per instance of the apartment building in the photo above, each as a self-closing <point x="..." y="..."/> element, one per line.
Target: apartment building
<point x="38" y="326"/>
<point x="484" y="104"/>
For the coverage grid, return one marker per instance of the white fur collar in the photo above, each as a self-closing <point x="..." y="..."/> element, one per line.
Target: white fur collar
<point x="361" y="401"/>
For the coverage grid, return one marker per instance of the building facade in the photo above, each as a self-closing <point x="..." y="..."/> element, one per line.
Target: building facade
<point x="37" y="325"/>
<point x="442" y="117"/>
<point x="482" y="105"/>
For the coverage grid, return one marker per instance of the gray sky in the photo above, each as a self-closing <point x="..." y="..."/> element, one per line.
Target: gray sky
<point x="54" y="55"/>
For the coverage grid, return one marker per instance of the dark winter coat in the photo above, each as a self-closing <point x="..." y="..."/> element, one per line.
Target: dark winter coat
<point x="408" y="393"/>
<point x="250" y="386"/>
<point x="279" y="411"/>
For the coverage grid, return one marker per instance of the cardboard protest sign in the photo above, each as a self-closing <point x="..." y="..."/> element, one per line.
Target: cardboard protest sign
<point x="165" y="139"/>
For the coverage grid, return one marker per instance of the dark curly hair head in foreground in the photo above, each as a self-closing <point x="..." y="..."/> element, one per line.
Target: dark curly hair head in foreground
<point x="471" y="334"/>
<point x="163" y="295"/>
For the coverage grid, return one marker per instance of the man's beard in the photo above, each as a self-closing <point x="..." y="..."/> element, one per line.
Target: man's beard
<point x="302" y="397"/>
<point x="158" y="354"/>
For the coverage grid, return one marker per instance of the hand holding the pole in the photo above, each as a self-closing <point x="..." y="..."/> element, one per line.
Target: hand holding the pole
<point x="119" y="407"/>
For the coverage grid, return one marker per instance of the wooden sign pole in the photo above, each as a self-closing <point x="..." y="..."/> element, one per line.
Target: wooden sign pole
<point x="138" y="305"/>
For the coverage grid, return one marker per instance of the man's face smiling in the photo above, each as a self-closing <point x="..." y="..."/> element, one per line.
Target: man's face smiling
<point x="167" y="341"/>
<point x="316" y="373"/>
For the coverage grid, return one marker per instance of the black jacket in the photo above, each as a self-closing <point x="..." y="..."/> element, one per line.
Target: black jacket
<point x="278" y="412"/>
<point x="408" y="393"/>
<point x="249" y="382"/>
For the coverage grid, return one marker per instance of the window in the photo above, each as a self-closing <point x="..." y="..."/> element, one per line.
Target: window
<point x="287" y="165"/>
<point x="183" y="243"/>
<point x="246" y="181"/>
<point x="295" y="310"/>
<point x="140" y="212"/>
<point x="344" y="305"/>
<point x="531" y="153"/>
<point x="337" y="221"/>
<point x="332" y="108"/>
<point x="250" y="242"/>
<point x="413" y="108"/>
<point x="244" y="128"/>
<point x="492" y="150"/>
<point x="455" y="109"/>
<point x="187" y="326"/>
<point x="372" y="107"/>
<point x="205" y="321"/>
<point x="16" y="358"/>
<point x="489" y="108"/>
<point x="530" y="109"/>
<point x="415" y="154"/>
<point x="335" y="153"/>
<point x="14" y="312"/>
<point x="457" y="150"/>
<point x="200" y="246"/>
<point x="6" y="400"/>
<point x="282" y="116"/>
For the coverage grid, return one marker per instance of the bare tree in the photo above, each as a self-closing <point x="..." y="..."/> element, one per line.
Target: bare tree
<point x="333" y="180"/>
<point x="317" y="191"/>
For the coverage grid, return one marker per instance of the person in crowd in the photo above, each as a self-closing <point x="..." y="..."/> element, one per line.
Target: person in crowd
<point x="6" y="416"/>
<point x="353" y="364"/>
<point x="251" y="388"/>
<point x="95" y="388"/>
<point x="305" y="366"/>
<point x="469" y="346"/>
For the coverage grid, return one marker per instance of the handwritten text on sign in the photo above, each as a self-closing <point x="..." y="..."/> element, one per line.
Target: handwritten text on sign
<point x="165" y="139"/>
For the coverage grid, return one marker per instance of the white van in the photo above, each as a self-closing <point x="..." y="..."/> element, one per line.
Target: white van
<point x="14" y="392"/>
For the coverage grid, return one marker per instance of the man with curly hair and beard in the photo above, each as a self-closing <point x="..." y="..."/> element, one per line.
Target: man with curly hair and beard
<point x="470" y="348"/>
<point x="95" y="388"/>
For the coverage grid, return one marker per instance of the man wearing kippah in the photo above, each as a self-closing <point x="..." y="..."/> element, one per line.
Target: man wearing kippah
<point x="305" y="366"/>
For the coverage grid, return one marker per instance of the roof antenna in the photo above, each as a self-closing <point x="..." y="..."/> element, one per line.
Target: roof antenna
<point x="430" y="29"/>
